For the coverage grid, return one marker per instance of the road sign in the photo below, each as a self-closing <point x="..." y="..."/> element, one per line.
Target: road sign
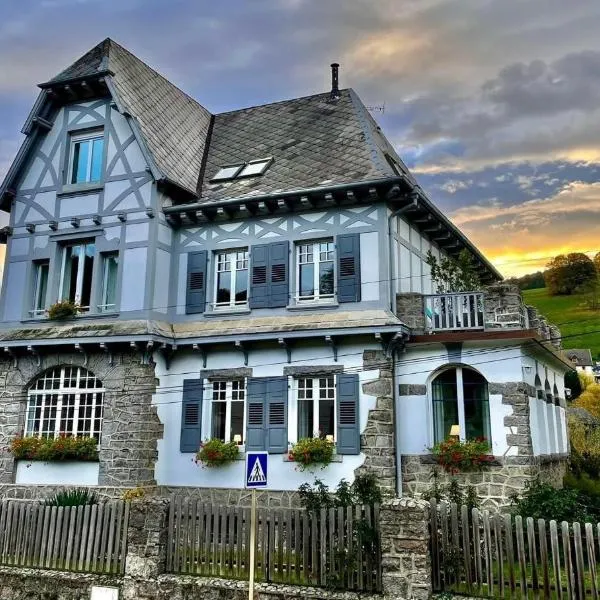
<point x="256" y="469"/>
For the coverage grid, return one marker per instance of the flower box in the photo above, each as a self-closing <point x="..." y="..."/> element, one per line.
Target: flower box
<point x="80" y="473"/>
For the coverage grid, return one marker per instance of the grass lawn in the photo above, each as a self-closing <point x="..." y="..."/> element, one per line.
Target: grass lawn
<point x="580" y="326"/>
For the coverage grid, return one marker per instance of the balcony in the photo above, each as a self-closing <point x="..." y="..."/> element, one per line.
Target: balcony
<point x="454" y="312"/>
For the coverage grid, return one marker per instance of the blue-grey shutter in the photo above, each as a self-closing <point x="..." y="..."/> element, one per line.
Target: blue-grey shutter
<point x="256" y="393"/>
<point x="348" y="433"/>
<point x="191" y="415"/>
<point x="259" y="277"/>
<point x="279" y="274"/>
<point x="348" y="267"/>
<point x="195" y="299"/>
<point x="277" y="401"/>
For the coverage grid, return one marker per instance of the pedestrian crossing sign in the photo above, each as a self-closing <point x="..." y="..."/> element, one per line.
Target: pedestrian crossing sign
<point x="256" y="469"/>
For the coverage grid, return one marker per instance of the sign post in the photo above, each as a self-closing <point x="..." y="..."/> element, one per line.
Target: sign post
<point x="256" y="476"/>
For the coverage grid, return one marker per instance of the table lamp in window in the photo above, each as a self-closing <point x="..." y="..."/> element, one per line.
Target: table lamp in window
<point x="237" y="438"/>
<point x="455" y="431"/>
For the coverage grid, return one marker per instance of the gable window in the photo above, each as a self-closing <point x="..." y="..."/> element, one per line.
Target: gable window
<point x="76" y="273"/>
<point x="228" y="411"/>
<point x="316" y="407"/>
<point x="460" y="397"/>
<point x="40" y="287"/>
<point x="231" y="278"/>
<point x="65" y="401"/>
<point x="315" y="270"/>
<point x="110" y="266"/>
<point x="86" y="158"/>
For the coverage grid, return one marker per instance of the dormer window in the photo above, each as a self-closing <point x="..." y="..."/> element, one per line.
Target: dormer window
<point x="249" y="169"/>
<point x="86" y="158"/>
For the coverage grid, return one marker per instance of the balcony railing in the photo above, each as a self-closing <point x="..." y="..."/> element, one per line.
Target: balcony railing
<point x="455" y="312"/>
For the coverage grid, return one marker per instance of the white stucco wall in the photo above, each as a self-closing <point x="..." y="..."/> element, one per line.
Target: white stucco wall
<point x="57" y="473"/>
<point x="179" y="469"/>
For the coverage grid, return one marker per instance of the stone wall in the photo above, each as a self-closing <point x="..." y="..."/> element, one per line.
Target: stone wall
<point x="410" y="309"/>
<point x="130" y="426"/>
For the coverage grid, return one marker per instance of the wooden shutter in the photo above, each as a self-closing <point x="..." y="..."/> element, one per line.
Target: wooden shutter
<point x="277" y="403"/>
<point x="256" y="392"/>
<point x="195" y="299"/>
<point x="348" y="267"/>
<point x="191" y="415"/>
<point x="279" y="274"/>
<point x="259" y="276"/>
<point x="348" y="434"/>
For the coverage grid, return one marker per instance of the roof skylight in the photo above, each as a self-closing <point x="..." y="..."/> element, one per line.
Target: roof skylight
<point x="227" y="172"/>
<point x="249" y="169"/>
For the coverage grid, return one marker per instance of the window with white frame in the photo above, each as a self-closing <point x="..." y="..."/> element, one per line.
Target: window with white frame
<point x="315" y="264"/>
<point x="110" y="266"/>
<point x="76" y="273"/>
<point x="316" y="407"/>
<point x="86" y="157"/>
<point x="231" y="278"/>
<point x="40" y="287"/>
<point x="65" y="401"/>
<point x="228" y="411"/>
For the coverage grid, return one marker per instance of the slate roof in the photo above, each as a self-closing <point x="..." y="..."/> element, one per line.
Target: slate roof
<point x="583" y="356"/>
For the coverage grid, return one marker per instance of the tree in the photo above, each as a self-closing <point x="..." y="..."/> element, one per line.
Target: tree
<point x="531" y="281"/>
<point x="570" y="273"/>
<point x="573" y="383"/>
<point x="454" y="275"/>
<point x="597" y="262"/>
<point x="590" y="399"/>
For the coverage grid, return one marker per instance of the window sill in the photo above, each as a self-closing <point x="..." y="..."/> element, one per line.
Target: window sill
<point x="219" y="312"/>
<point x="310" y="305"/>
<point x="84" y="316"/>
<point x="336" y="458"/>
<point x="80" y="188"/>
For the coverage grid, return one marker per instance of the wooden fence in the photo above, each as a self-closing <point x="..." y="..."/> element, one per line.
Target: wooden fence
<point x="504" y="556"/>
<point x="90" y="538"/>
<point x="293" y="546"/>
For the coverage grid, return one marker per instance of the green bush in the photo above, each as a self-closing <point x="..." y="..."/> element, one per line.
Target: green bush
<point x="216" y="453"/>
<point x="54" y="449"/>
<point x="364" y="490"/>
<point x="309" y="452"/>
<point x="63" y="309"/>
<point x="76" y="497"/>
<point x="452" y="492"/>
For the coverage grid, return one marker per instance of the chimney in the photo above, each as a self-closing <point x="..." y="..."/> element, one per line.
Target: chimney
<point x="335" y="88"/>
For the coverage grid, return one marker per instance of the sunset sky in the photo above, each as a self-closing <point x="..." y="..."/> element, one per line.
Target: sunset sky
<point x="494" y="104"/>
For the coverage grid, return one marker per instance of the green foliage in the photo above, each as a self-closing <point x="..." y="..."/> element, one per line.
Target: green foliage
<point x="364" y="490"/>
<point x="310" y="452"/>
<point x="590" y="399"/>
<point x="64" y="309"/>
<point x="454" y="455"/>
<point x="452" y="492"/>
<point x="216" y="453"/>
<point x="54" y="449"/>
<point x="573" y="383"/>
<point x="569" y="274"/>
<point x="76" y="497"/>
<point x="532" y="281"/>
<point x="454" y="275"/>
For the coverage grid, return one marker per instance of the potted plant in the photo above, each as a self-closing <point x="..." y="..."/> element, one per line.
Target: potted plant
<point x="63" y="310"/>
<point x="216" y="453"/>
<point x="454" y="455"/>
<point x="308" y="452"/>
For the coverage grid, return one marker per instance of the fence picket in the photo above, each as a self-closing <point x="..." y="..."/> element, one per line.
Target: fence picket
<point x="556" y="558"/>
<point x="466" y="544"/>
<point x="568" y="560"/>
<point x="579" y="571"/>
<point x="591" y="556"/>
<point x="476" y="530"/>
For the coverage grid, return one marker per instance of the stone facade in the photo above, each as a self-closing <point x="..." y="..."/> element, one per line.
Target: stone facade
<point x="410" y="309"/>
<point x="130" y="425"/>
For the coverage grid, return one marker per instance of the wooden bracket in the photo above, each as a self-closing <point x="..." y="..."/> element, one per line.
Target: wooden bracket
<point x="9" y="352"/>
<point x="283" y="343"/>
<point x="106" y="348"/>
<point x="80" y="348"/>
<point x="33" y="350"/>
<point x="331" y="341"/>
<point x="203" y="353"/>
<point x="168" y="351"/>
<point x="244" y="349"/>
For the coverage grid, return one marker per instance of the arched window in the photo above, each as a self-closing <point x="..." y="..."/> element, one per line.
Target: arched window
<point x="460" y="398"/>
<point x="65" y="400"/>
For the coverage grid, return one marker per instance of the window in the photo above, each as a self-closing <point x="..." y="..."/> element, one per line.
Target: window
<point x="65" y="401"/>
<point x="249" y="169"/>
<point x="231" y="278"/>
<point x="460" y="397"/>
<point x="76" y="273"/>
<point x="228" y="406"/>
<point x="87" y="151"/>
<point x="40" y="287"/>
<point x="110" y="265"/>
<point x="316" y="407"/>
<point x="315" y="270"/>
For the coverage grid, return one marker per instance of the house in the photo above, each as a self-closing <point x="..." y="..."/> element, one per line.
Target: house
<point x="257" y="276"/>
<point x="582" y="361"/>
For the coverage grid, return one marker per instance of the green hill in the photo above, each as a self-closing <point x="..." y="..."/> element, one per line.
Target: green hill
<point x="579" y="325"/>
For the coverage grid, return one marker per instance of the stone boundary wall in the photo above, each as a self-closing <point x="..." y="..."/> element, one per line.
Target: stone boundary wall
<point x="406" y="567"/>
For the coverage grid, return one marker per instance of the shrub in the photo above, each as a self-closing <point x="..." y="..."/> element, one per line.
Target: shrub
<point x="590" y="399"/>
<point x="454" y="455"/>
<point x="452" y="492"/>
<point x="76" y="497"/>
<point x="135" y="493"/>
<point x="55" y="449"/>
<point x="364" y="490"/>
<point x="216" y="453"/>
<point x="309" y="452"/>
<point x="63" y="309"/>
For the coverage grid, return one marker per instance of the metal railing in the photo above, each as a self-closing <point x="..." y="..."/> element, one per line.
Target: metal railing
<point x="455" y="312"/>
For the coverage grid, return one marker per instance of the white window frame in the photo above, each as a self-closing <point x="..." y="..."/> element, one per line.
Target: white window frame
<point x="84" y="137"/>
<point x="231" y="257"/>
<point x="316" y="254"/>
<point x="37" y="299"/>
<point x="61" y="391"/>
<point x="80" y="272"/>
<point x="229" y="384"/>
<point x="103" y="306"/>
<point x="294" y="406"/>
